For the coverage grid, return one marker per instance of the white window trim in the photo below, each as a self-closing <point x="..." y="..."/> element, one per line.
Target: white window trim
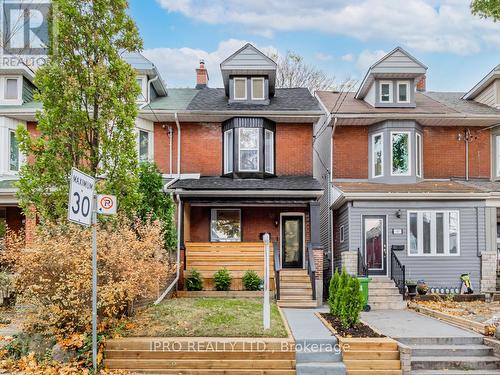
<point x="266" y="131"/>
<point x="342" y="234"/>
<point x="150" y="145"/>
<point x="373" y="154"/>
<point x="248" y="149"/>
<point x="234" y="87"/>
<point x="419" y="149"/>
<point x="420" y="233"/>
<point x="214" y="211"/>
<point x="3" y="83"/>
<point x="390" y="91"/>
<point x="19" y="154"/>
<point x="409" y="154"/>
<point x="497" y="156"/>
<point x="144" y="89"/>
<point x="263" y="89"/>
<point x="407" y="84"/>
<point x="229" y="139"/>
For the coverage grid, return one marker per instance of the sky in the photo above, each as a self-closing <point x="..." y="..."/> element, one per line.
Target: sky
<point x="341" y="37"/>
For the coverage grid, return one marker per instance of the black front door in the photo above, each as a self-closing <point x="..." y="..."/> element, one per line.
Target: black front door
<point x="374" y="244"/>
<point x="292" y="241"/>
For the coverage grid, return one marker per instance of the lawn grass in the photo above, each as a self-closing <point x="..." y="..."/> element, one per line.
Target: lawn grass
<point x="206" y="317"/>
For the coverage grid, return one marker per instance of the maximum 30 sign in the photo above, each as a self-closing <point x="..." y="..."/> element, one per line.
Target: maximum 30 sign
<point x="81" y="194"/>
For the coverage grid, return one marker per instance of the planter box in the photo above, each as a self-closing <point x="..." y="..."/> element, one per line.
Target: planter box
<point x="220" y="294"/>
<point x="380" y="354"/>
<point x="456" y="297"/>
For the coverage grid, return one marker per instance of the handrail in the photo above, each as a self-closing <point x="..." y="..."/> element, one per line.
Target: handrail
<point x="277" y="268"/>
<point x="362" y="266"/>
<point x="398" y="274"/>
<point x="311" y="268"/>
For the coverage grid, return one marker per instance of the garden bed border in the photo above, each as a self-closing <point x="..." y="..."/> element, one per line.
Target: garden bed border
<point x="220" y="294"/>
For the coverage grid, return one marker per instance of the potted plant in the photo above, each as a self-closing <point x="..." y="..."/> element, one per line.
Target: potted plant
<point x="422" y="288"/>
<point x="411" y="285"/>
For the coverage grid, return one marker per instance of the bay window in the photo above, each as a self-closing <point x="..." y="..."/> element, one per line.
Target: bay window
<point x="433" y="233"/>
<point x="497" y="156"/>
<point x="248" y="147"/>
<point x="225" y="225"/>
<point x="418" y="158"/>
<point x="13" y="152"/>
<point x="400" y="154"/>
<point x="378" y="155"/>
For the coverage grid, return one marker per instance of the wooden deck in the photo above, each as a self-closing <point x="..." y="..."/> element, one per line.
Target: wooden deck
<point x="236" y="257"/>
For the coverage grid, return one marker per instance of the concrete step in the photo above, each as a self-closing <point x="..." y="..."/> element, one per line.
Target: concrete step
<point x="400" y="305"/>
<point x="318" y="356"/>
<point x="321" y="368"/>
<point x="380" y="280"/>
<point x="466" y="340"/>
<point x="451" y="350"/>
<point x="459" y="363"/>
<point x="385" y="299"/>
<point x="391" y="291"/>
<point x="456" y="372"/>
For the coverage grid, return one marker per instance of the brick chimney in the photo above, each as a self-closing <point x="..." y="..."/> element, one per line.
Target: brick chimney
<point x="201" y="76"/>
<point x="421" y="84"/>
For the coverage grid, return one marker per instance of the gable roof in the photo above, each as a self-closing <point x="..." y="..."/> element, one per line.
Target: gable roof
<point x="145" y="66"/>
<point x="484" y="83"/>
<point x="248" y="60"/>
<point x="397" y="63"/>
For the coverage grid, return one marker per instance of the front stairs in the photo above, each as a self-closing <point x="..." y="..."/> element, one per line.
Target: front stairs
<point x="296" y="289"/>
<point x="384" y="295"/>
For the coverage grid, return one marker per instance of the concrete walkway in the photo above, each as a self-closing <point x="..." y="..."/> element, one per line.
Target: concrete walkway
<point x="305" y="325"/>
<point x="406" y="323"/>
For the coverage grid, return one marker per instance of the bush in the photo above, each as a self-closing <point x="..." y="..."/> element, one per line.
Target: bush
<point x="337" y="291"/>
<point x="222" y="279"/>
<point x="333" y="289"/>
<point x="53" y="273"/>
<point x="194" y="281"/>
<point x="351" y="303"/>
<point x="251" y="281"/>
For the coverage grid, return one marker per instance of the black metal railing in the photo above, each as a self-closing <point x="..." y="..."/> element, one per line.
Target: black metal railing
<point x="311" y="268"/>
<point x="277" y="268"/>
<point x="362" y="266"/>
<point x="398" y="274"/>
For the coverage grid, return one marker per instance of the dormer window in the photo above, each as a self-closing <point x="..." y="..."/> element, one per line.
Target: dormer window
<point x="258" y="89"/>
<point x="240" y="88"/>
<point x="248" y="147"/>
<point x="142" y="81"/>
<point x="11" y="88"/>
<point x="403" y="92"/>
<point x="385" y="91"/>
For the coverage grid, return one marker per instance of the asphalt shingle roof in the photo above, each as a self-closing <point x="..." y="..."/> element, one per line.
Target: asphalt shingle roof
<point x="176" y="99"/>
<point x="426" y="186"/>
<point x="227" y="183"/>
<point x="294" y="99"/>
<point x="454" y="101"/>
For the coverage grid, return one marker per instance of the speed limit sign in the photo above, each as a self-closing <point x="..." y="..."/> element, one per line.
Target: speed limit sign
<point x="81" y="195"/>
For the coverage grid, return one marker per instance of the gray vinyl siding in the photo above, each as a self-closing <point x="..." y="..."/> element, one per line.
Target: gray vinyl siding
<point x="248" y="59"/>
<point x="488" y="96"/>
<point x="398" y="60"/>
<point x="437" y="271"/>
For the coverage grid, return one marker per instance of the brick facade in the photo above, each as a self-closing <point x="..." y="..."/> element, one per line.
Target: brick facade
<point x="350" y="152"/>
<point x="201" y="148"/>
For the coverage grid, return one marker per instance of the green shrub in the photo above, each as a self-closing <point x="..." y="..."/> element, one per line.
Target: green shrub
<point x="351" y="303"/>
<point x="222" y="279"/>
<point x="194" y="281"/>
<point x="338" y="300"/>
<point x="333" y="288"/>
<point x="251" y="281"/>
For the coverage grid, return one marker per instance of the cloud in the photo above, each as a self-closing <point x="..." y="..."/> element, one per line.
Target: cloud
<point x="348" y="57"/>
<point x="177" y="65"/>
<point x="367" y="58"/>
<point x="423" y="25"/>
<point x="323" y="56"/>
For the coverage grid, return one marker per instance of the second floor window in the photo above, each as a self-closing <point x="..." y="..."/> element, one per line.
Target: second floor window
<point x="13" y="152"/>
<point x="145" y="146"/>
<point x="378" y="155"/>
<point x="400" y="154"/>
<point x="249" y="150"/>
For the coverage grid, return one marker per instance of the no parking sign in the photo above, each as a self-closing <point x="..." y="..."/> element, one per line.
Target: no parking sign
<point x="106" y="204"/>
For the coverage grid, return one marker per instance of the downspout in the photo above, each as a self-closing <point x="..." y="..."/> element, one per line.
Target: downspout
<point x="149" y="92"/>
<point x="170" y="136"/>
<point x="179" y="214"/>
<point x="329" y="198"/>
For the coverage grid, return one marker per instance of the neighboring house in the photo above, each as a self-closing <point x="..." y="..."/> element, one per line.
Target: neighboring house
<point x="411" y="176"/>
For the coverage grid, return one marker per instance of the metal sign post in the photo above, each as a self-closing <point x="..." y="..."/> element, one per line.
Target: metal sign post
<point x="267" y="307"/>
<point x="83" y="207"/>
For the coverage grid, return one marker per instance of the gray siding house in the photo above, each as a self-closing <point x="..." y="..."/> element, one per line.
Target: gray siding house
<point x="410" y="178"/>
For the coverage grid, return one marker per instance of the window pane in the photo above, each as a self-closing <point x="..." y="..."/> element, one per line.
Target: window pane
<point x="143" y="145"/>
<point x="400" y="157"/>
<point x="498" y="154"/>
<point x="269" y="150"/>
<point x="377" y="155"/>
<point x="11" y="88"/>
<point x="13" y="153"/>
<point x="439" y="233"/>
<point x="453" y="232"/>
<point x="257" y="89"/>
<point x="385" y="92"/>
<point x="141" y="94"/>
<point x="403" y="92"/>
<point x="419" y="155"/>
<point x="225" y="225"/>
<point x="228" y="151"/>
<point x="426" y="217"/>
<point x="413" y="233"/>
<point x="249" y="149"/>
<point x="249" y="138"/>
<point x="240" y="88"/>
<point x="249" y="160"/>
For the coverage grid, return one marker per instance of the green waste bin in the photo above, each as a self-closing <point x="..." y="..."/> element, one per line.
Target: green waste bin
<point x="364" y="281"/>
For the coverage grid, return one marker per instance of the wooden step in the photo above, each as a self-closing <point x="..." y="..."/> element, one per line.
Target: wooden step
<point x="216" y="371"/>
<point x="297" y="291"/>
<point x="127" y="364"/>
<point x="294" y="297"/>
<point x="294" y="285"/>
<point x="298" y="303"/>
<point x="366" y="364"/>
<point x="371" y="355"/>
<point x="219" y="355"/>
<point x="381" y="343"/>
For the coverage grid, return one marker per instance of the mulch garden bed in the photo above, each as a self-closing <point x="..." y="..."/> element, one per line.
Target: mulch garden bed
<point x="359" y="330"/>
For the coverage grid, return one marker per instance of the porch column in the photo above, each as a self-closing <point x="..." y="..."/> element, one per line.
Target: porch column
<point x="489" y="255"/>
<point x="314" y="222"/>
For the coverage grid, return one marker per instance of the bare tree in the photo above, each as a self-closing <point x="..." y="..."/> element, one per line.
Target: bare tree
<point x="294" y="72"/>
